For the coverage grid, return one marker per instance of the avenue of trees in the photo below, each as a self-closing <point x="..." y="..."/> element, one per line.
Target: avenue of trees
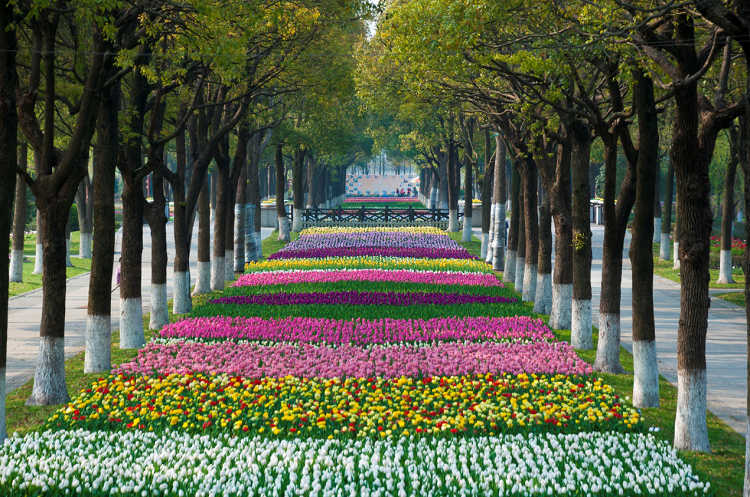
<point x="533" y="106"/>
<point x="159" y="97"/>
<point x="580" y="97"/>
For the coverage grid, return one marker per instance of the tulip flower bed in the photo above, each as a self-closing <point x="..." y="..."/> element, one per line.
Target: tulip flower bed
<point x="354" y="361"/>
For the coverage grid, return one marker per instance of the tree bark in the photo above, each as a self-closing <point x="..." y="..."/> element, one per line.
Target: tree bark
<point x="98" y="355"/>
<point x="203" y="283"/>
<point x="521" y="253"/>
<point x="616" y="216"/>
<point x="131" y="304"/>
<point x="452" y="187"/>
<point x="646" y="367"/>
<point x="240" y="219"/>
<point x="8" y="154"/>
<point x="157" y="221"/>
<point x="181" y="302"/>
<point x="543" y="297"/>
<point x="498" y="202"/>
<point x="83" y="201"/>
<point x="727" y="220"/>
<point x="666" y="217"/>
<point x="297" y="192"/>
<point x="581" y="332"/>
<point x="19" y="221"/>
<point x="218" y="270"/>
<point x="529" y="183"/>
<point x="657" y="204"/>
<point x="284" y="235"/>
<point x="509" y="276"/>
<point x="487" y="179"/>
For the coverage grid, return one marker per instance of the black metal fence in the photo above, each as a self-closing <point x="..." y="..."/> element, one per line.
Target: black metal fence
<point x="375" y="215"/>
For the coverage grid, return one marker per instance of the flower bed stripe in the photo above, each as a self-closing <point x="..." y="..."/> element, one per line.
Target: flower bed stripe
<point x="410" y="263"/>
<point x="381" y="239"/>
<point x="359" y="331"/>
<point x="177" y="464"/>
<point x="324" y="230"/>
<point x="255" y="360"/>
<point x="349" y="407"/>
<point x="354" y="297"/>
<point x="419" y="252"/>
<point x="377" y="275"/>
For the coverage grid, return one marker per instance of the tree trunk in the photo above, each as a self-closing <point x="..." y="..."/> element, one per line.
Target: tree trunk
<point x="68" y="262"/>
<point x="616" y="215"/>
<point x="645" y="365"/>
<point x="509" y="276"/>
<point x="218" y="259"/>
<point x="284" y="235"/>
<point x="727" y="219"/>
<point x="131" y="305"/>
<point x="181" y="302"/>
<point x="8" y="153"/>
<point x="666" y="218"/>
<point x="252" y="242"/>
<point x="203" y="283"/>
<point x="297" y="193"/>
<point x="677" y="227"/>
<point x="442" y="183"/>
<point x="452" y="188"/>
<point x="83" y="202"/>
<point x="49" y="376"/>
<point x="694" y="211"/>
<point x="521" y="253"/>
<point x="657" y="204"/>
<point x="468" y="199"/>
<point x="39" y="247"/>
<point x="229" y="229"/>
<point x="240" y="221"/>
<point x="581" y="332"/>
<point x="157" y="221"/>
<point x="543" y="297"/>
<point x="529" y="183"/>
<point x="487" y="179"/>
<point x="498" y="202"/>
<point x="98" y="355"/>
<point x="19" y="222"/>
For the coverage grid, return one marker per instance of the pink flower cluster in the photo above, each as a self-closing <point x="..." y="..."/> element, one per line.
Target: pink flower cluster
<point x="360" y="331"/>
<point x="307" y="360"/>
<point x="398" y="276"/>
<point x="352" y="200"/>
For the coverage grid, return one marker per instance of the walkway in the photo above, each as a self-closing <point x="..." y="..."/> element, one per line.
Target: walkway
<point x="726" y="346"/>
<point x="25" y="311"/>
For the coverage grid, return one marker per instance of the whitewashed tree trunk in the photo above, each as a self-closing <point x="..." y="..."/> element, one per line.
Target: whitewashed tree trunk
<point x="16" y="266"/>
<point x="725" y="267"/>
<point x="284" y="235"/>
<point x="98" y="355"/>
<point x="259" y="245"/>
<point x="466" y="233"/>
<point x="543" y="296"/>
<point x="690" y="428"/>
<point x="251" y="253"/>
<point x="676" y="257"/>
<point x="218" y="273"/>
<point x="297" y="220"/>
<point x="645" y="374"/>
<point x="131" y="324"/>
<point x="68" y="262"/>
<point x="452" y="220"/>
<point x="562" y="305"/>
<point x="498" y="246"/>
<point x="3" y="428"/>
<point x="433" y="198"/>
<point x="491" y="245"/>
<point x="49" y="376"/>
<point x="159" y="316"/>
<point x="509" y="275"/>
<point x="657" y="230"/>
<point x="181" y="303"/>
<point x="84" y="246"/>
<point x="485" y="242"/>
<point x="238" y="261"/>
<point x="529" y="283"/>
<point x="203" y="282"/>
<point x="229" y="265"/>
<point x="520" y="268"/>
<point x="608" y="348"/>
<point x="580" y="332"/>
<point x="664" y="253"/>
<point x="38" y="258"/>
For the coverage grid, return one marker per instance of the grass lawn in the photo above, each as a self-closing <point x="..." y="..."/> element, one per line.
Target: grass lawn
<point x="29" y="244"/>
<point x="723" y="468"/>
<point x="734" y="297"/>
<point x="664" y="269"/>
<point x="34" y="281"/>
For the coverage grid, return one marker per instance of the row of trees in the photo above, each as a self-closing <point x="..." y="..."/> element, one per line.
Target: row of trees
<point x="160" y="92"/>
<point x="554" y="81"/>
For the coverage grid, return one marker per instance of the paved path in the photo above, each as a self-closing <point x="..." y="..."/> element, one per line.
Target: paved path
<point x="726" y="345"/>
<point x="25" y="311"/>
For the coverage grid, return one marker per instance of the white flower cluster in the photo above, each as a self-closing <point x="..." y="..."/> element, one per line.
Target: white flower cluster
<point x="173" y="463"/>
